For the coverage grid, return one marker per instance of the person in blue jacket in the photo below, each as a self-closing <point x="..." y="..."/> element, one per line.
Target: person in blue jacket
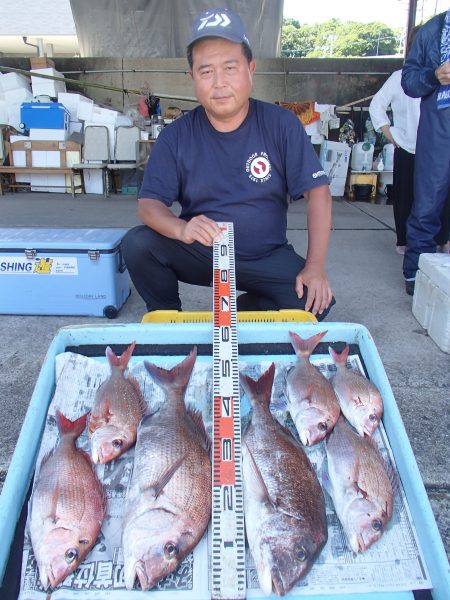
<point x="426" y="74"/>
<point x="231" y="159"/>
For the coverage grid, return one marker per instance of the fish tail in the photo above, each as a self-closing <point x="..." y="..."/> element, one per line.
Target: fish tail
<point x="304" y="348"/>
<point x="122" y="361"/>
<point x="70" y="428"/>
<point x="177" y="377"/>
<point x="340" y="359"/>
<point x="259" y="391"/>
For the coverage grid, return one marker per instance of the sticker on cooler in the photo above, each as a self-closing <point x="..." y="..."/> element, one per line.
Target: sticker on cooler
<point x="12" y="265"/>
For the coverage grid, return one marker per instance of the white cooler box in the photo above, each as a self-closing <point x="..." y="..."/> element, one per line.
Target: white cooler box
<point x="62" y="272"/>
<point x="431" y="301"/>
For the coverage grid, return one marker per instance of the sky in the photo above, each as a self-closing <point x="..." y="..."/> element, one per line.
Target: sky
<point x="391" y="12"/>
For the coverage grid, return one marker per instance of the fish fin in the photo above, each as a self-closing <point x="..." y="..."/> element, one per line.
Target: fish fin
<point x="72" y="428"/>
<point x="159" y="485"/>
<point x="197" y="418"/>
<point x="324" y="478"/>
<point x="122" y="361"/>
<point x="304" y="348"/>
<point x="262" y="493"/>
<point x="177" y="377"/>
<point x="280" y="402"/>
<point x="260" y="390"/>
<point x="340" y="359"/>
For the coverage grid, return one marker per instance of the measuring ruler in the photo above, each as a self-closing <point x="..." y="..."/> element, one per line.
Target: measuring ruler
<point x="228" y="538"/>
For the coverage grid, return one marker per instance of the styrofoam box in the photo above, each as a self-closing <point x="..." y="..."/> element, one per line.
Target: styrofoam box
<point x="14" y="81"/>
<point x="3" y="112"/>
<point x="78" y="105"/>
<point x="431" y="301"/>
<point x="93" y="181"/>
<point x="20" y="159"/>
<point x="103" y="116"/>
<point x="19" y="95"/>
<point x="59" y="135"/>
<point x="75" y="127"/>
<point x="47" y="182"/>
<point x="50" y="87"/>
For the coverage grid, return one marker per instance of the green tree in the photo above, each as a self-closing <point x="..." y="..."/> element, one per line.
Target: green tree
<point x="336" y="39"/>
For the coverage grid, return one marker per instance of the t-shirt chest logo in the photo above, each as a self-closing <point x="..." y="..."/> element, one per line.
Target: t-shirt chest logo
<point x="258" y="167"/>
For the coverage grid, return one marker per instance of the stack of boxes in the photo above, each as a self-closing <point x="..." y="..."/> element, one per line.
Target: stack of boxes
<point x="14" y="89"/>
<point x="44" y="110"/>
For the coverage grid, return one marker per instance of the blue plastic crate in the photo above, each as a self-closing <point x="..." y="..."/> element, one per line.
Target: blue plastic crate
<point x="23" y="461"/>
<point x="44" y="115"/>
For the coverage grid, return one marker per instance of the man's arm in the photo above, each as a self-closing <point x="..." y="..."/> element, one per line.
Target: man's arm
<point x="313" y="276"/>
<point x="156" y="215"/>
<point x="418" y="74"/>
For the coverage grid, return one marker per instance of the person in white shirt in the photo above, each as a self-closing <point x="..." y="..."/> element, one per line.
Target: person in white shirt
<point x="402" y="133"/>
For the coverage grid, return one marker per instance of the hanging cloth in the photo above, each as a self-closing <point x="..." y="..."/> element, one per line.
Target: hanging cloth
<point x="443" y="97"/>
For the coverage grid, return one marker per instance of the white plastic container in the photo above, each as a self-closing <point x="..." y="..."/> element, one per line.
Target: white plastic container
<point x="388" y="157"/>
<point x="431" y="301"/>
<point x="47" y="87"/>
<point x="362" y="156"/>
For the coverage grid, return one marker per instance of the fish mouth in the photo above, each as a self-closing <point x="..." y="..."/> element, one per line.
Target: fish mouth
<point x="139" y="571"/>
<point x="369" y="428"/>
<point x="277" y="582"/>
<point x="51" y="578"/>
<point x="141" y="574"/>
<point x="305" y="437"/>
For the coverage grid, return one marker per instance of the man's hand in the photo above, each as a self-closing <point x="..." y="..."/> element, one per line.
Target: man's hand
<point x="386" y="130"/>
<point x="159" y="217"/>
<point x="443" y="73"/>
<point x="200" y="229"/>
<point x="319" y="290"/>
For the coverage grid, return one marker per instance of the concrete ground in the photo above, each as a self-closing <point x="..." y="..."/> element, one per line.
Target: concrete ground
<point x="366" y="275"/>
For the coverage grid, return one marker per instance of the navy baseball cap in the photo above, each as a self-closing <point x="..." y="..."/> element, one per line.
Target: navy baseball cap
<point x="219" y="22"/>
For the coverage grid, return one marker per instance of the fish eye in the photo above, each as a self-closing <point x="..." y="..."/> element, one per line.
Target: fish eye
<point x="377" y="525"/>
<point x="301" y="554"/>
<point x="373" y="418"/>
<point x="117" y="443"/>
<point x="170" y="550"/>
<point x="322" y="426"/>
<point x="71" y="555"/>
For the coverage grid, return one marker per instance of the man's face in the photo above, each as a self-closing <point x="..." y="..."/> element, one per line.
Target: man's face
<point x="223" y="81"/>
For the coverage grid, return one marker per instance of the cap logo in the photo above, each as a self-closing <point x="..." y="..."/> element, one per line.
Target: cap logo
<point x="214" y="20"/>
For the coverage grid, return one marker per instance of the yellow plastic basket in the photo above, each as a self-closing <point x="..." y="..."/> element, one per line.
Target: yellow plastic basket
<point x="267" y="316"/>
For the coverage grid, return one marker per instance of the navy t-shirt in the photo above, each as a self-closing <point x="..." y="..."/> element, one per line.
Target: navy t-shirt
<point x="242" y="176"/>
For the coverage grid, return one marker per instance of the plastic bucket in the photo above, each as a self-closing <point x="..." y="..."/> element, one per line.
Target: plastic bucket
<point x="362" y="191"/>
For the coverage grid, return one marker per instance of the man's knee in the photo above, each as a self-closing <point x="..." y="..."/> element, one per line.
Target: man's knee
<point x="134" y="244"/>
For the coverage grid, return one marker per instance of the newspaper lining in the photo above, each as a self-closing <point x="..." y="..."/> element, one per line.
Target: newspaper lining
<point x="394" y="563"/>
